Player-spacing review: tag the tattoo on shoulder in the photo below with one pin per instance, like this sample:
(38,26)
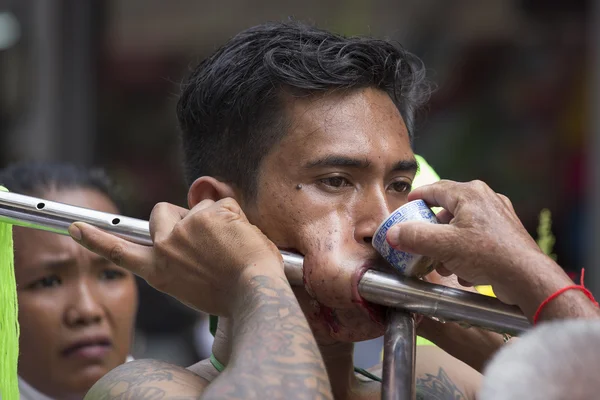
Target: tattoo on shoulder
(438,387)
(146,380)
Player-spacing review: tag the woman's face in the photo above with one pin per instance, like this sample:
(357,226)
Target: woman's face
(76,310)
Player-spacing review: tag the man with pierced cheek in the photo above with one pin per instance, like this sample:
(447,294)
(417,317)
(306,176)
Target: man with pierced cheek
(310,133)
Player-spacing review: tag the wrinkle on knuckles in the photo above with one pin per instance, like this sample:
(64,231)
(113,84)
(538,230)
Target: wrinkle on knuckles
(117,254)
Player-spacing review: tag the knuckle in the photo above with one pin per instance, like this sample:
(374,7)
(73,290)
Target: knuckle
(412,238)
(479,185)
(159,207)
(230,204)
(160,245)
(117,254)
(506,200)
(180,231)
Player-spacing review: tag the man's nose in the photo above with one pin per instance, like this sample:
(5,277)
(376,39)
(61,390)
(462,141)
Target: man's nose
(85,307)
(370,213)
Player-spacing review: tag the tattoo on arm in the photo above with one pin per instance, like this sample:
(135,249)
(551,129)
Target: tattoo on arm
(438,387)
(274,353)
(274,356)
(147,380)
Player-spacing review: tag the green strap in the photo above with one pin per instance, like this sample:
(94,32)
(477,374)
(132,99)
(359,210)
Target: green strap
(216,363)
(367,374)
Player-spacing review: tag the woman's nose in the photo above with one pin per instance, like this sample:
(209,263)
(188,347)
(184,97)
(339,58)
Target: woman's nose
(85,307)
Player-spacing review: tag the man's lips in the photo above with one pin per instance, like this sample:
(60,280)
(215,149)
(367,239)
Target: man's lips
(376,312)
(89,347)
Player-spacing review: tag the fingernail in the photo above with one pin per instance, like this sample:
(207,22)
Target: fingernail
(75,232)
(392,236)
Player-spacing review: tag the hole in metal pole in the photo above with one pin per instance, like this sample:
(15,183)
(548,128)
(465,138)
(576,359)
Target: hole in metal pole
(116,221)
(39,206)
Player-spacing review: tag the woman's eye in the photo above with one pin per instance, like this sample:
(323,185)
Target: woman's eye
(336,181)
(401,187)
(46,282)
(112,274)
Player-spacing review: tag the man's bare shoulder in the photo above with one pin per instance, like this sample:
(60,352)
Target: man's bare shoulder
(148,379)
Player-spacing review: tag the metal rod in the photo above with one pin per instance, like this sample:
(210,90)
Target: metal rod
(441,302)
(399,357)
(33,212)
(410,294)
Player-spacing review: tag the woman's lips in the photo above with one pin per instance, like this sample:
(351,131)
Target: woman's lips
(92,348)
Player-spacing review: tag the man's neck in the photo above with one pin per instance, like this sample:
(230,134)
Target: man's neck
(338,358)
(339,361)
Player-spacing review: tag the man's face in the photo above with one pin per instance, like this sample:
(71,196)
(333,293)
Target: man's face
(344,165)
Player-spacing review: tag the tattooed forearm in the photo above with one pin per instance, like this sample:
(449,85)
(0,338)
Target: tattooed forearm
(274,353)
(148,380)
(438,387)
(274,356)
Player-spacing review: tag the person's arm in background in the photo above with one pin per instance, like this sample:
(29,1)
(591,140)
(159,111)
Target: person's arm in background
(482,241)
(471,345)
(212,259)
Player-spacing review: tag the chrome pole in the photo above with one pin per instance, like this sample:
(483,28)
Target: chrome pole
(399,357)
(441,302)
(409,294)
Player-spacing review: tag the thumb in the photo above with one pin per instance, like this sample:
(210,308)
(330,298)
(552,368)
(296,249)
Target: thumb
(416,237)
(131,256)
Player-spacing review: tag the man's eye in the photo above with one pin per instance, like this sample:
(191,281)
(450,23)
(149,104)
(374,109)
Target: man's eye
(336,181)
(46,282)
(401,187)
(111,274)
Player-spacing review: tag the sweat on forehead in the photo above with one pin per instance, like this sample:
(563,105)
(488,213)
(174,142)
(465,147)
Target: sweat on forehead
(230,110)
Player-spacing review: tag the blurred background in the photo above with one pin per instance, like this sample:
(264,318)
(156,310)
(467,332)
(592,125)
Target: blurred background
(96,82)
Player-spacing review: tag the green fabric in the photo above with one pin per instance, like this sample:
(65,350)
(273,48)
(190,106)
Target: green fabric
(213,321)
(9,324)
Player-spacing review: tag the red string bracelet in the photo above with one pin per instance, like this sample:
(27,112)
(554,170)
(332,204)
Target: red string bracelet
(554,295)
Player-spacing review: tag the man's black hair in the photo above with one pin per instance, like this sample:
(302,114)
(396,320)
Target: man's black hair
(38,178)
(231,107)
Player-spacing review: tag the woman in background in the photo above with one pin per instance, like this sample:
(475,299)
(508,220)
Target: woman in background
(76,309)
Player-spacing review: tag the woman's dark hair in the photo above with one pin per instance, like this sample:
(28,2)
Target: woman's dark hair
(37,178)
(231,107)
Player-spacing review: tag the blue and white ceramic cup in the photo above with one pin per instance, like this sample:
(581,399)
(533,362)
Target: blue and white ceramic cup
(405,263)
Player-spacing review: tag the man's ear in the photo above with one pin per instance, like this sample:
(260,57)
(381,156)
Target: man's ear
(207,187)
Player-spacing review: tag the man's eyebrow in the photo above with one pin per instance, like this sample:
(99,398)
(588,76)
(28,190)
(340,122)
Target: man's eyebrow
(409,165)
(338,161)
(406,166)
